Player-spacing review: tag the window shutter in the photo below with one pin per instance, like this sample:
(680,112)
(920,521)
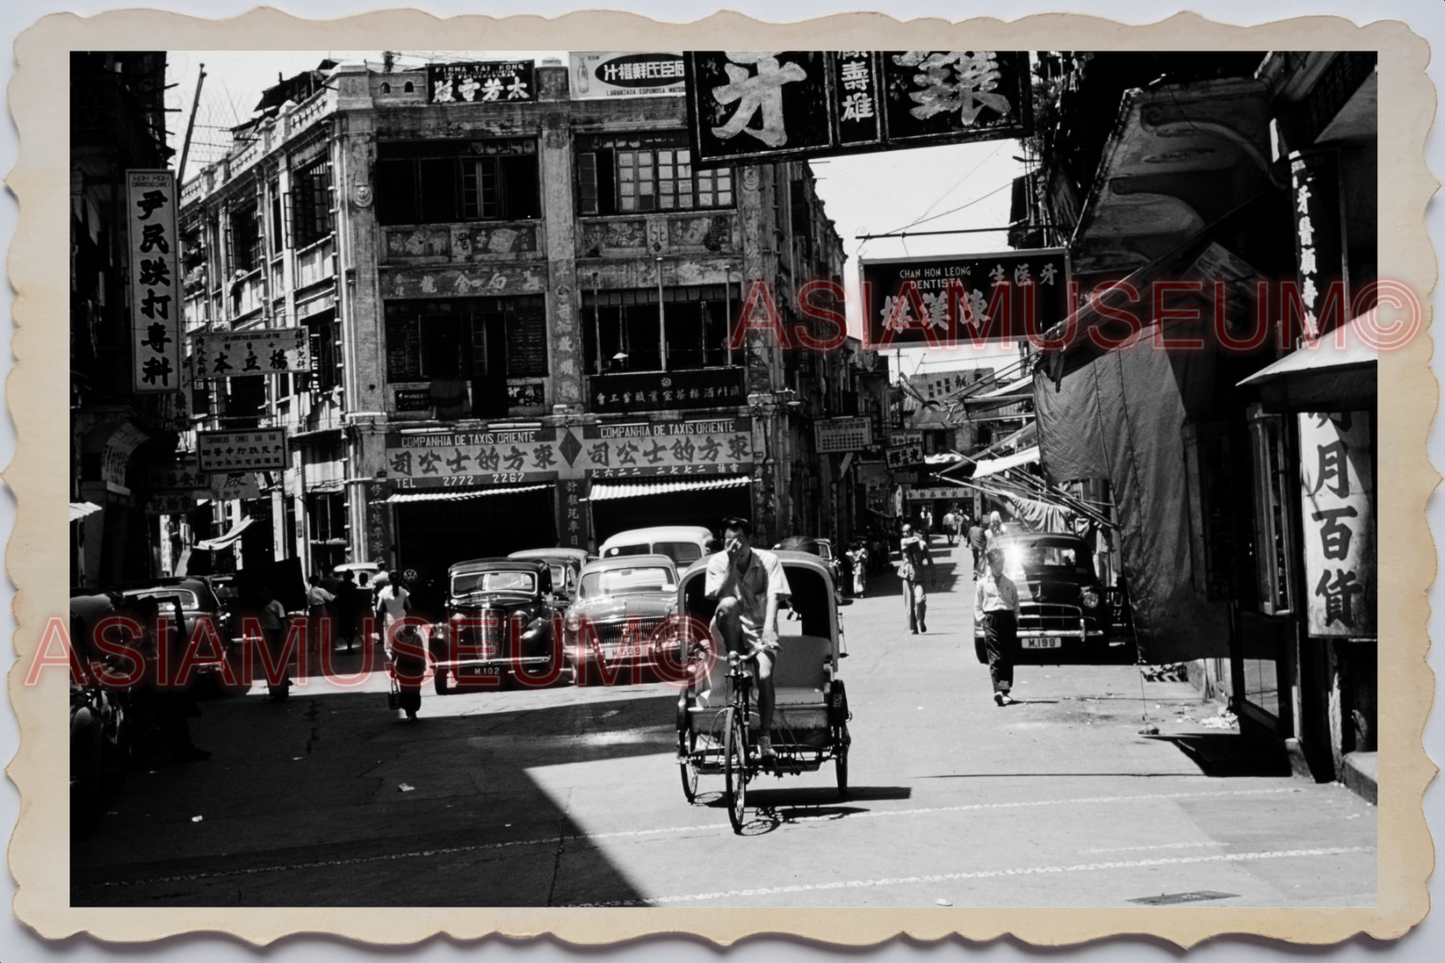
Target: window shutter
(396,191)
(606,182)
(518,192)
(587,183)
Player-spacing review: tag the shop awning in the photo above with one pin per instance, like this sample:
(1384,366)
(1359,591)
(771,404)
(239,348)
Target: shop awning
(606,491)
(445,495)
(226,540)
(1338,370)
(995,465)
(1019,390)
(79,510)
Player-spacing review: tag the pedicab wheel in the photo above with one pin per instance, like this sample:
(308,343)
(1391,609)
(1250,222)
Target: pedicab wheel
(840,761)
(735,765)
(686,746)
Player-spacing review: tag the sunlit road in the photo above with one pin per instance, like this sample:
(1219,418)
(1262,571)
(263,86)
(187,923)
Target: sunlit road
(571,796)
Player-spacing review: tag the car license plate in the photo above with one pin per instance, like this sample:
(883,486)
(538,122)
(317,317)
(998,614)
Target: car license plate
(1042,643)
(475,671)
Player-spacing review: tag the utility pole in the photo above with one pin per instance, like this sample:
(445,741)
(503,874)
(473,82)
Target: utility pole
(190,127)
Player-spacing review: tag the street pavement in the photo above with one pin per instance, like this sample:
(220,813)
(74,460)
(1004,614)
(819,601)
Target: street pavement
(571,796)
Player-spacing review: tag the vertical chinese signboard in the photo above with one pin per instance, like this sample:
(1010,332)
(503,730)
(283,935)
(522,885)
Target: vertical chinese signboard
(155,311)
(978,298)
(1337,495)
(1319,239)
(572,527)
(753,105)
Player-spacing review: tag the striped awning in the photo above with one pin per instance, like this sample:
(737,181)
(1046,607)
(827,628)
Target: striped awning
(606,491)
(445,495)
(79,510)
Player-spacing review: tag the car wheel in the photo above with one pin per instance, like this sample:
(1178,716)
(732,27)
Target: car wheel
(439,682)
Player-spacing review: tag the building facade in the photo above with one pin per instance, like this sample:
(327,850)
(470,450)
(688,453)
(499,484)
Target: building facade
(520,316)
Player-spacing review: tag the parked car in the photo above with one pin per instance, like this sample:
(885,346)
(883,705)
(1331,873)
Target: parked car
(101,722)
(1064,612)
(684,544)
(566,565)
(620,603)
(497,624)
(198,604)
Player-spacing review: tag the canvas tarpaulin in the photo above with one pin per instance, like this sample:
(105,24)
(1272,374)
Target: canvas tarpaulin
(1120,416)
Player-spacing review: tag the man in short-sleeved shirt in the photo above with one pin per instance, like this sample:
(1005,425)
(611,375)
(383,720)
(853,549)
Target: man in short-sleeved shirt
(749,583)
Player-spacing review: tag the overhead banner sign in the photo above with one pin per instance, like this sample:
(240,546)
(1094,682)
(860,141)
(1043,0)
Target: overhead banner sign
(478,83)
(905,455)
(259,351)
(236,451)
(604,74)
(1337,504)
(975,298)
(1319,236)
(155,310)
(842,434)
(762,104)
(935,494)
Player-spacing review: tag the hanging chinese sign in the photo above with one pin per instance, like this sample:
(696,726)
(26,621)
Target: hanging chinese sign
(842,434)
(649,391)
(1319,240)
(721,446)
(755,105)
(904,455)
(935,96)
(259,351)
(1337,505)
(236,451)
(605,74)
(949,301)
(155,311)
(477,83)
(572,527)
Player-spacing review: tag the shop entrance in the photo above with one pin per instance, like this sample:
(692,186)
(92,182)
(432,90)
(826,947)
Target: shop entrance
(704,508)
(433,535)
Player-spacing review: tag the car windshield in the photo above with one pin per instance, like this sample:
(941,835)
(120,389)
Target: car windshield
(1032,559)
(825,550)
(625,581)
(187,597)
(524,583)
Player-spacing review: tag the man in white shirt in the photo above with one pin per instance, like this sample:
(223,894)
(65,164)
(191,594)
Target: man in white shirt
(750,583)
(995,607)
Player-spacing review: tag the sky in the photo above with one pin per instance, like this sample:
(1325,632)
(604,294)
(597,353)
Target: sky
(927,189)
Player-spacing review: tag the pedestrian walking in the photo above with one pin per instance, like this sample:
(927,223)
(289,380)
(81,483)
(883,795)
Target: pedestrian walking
(913,554)
(348,610)
(859,557)
(273,630)
(977,546)
(393,601)
(950,521)
(995,607)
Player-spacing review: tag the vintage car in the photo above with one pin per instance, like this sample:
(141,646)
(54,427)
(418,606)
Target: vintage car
(566,566)
(198,603)
(101,719)
(684,544)
(497,626)
(1064,613)
(610,628)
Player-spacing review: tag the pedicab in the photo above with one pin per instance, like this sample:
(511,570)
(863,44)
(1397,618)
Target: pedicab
(717,716)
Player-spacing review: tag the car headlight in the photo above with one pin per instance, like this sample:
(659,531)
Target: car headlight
(1090,598)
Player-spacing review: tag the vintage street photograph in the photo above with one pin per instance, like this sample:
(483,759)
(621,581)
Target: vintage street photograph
(726,479)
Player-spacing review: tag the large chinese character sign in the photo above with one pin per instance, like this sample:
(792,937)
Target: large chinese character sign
(746,104)
(261,449)
(257,351)
(952,301)
(1337,505)
(757,104)
(955,95)
(155,311)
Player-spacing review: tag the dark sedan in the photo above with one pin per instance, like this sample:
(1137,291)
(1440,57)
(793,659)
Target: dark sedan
(1064,612)
(498,625)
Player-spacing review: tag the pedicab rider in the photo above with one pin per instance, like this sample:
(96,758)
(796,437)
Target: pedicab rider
(996,607)
(749,583)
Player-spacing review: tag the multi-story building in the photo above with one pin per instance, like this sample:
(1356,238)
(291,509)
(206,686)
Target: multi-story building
(519,312)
